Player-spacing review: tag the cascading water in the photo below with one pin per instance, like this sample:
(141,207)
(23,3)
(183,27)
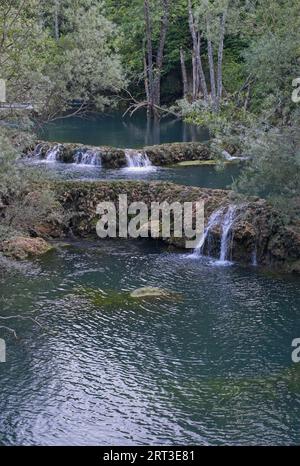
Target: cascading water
(254,262)
(37,151)
(230,157)
(215,219)
(88,157)
(227,233)
(138,160)
(224,217)
(52,154)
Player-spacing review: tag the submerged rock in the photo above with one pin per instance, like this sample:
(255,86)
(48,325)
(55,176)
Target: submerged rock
(22,247)
(151,292)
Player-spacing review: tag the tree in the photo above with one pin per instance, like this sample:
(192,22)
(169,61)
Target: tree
(153,70)
(273,168)
(199,80)
(211,19)
(273,57)
(52,70)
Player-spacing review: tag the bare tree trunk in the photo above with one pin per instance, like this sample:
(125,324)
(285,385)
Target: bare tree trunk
(146,80)
(160,51)
(149,59)
(184,74)
(211,66)
(202,78)
(198,73)
(56,19)
(220,59)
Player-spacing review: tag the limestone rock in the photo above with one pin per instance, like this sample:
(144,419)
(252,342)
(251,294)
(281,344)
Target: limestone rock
(22,247)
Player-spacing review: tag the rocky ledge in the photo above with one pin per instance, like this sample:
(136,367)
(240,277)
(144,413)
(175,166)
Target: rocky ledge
(256,232)
(109,157)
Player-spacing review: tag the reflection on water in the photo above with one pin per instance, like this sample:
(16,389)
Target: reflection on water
(213,367)
(114,130)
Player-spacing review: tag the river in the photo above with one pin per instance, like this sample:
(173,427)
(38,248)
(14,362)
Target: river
(211,366)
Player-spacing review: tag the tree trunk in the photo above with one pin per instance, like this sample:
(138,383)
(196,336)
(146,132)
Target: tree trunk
(149,52)
(56,19)
(198,73)
(146,80)
(160,51)
(184,74)
(202,79)
(220,59)
(211,66)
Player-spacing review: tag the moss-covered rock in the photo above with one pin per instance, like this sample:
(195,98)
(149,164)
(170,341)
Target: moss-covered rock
(160,155)
(258,230)
(22,247)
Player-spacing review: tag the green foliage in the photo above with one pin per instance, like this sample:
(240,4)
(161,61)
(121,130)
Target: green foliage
(22,205)
(273,55)
(230,120)
(83,64)
(273,169)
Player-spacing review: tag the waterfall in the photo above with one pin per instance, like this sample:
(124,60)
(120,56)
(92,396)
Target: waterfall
(227,233)
(225,217)
(52,154)
(137,160)
(254,262)
(37,151)
(88,157)
(215,219)
(230,157)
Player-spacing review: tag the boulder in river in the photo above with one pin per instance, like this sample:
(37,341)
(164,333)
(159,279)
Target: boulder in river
(151,292)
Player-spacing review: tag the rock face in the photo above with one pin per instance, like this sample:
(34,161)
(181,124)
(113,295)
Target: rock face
(22,247)
(257,232)
(250,232)
(109,157)
(168,154)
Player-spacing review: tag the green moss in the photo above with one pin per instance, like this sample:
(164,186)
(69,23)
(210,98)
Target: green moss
(110,299)
(191,163)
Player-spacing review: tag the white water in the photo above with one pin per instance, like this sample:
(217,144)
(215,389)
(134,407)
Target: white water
(52,154)
(38,151)
(254,262)
(88,158)
(137,160)
(215,219)
(227,233)
(224,217)
(230,157)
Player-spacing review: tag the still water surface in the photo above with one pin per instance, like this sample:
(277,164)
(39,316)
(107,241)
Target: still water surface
(113,130)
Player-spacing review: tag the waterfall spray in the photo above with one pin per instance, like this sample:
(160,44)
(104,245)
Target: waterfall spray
(225,217)
(88,157)
(52,154)
(137,160)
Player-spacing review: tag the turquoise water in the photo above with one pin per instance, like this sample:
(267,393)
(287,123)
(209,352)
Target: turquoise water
(210,366)
(206,176)
(113,130)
